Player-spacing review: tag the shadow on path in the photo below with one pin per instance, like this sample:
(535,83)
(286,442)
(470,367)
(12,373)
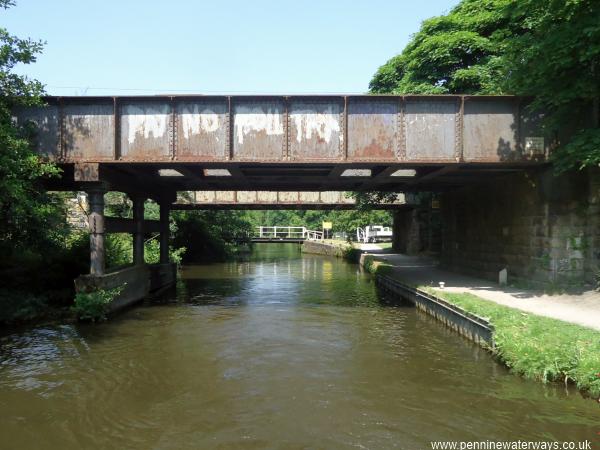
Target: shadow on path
(582,308)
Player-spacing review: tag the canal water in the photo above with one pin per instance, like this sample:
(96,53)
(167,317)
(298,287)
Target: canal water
(281,350)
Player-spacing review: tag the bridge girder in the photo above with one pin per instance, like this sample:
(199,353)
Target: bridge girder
(266,200)
(160,144)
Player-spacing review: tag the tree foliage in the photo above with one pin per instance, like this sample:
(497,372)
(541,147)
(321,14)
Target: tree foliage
(557,61)
(456,53)
(548,49)
(209,235)
(29,217)
(215,235)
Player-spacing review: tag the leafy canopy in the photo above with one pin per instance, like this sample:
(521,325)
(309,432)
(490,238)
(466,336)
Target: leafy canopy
(557,62)
(548,49)
(29,218)
(455,53)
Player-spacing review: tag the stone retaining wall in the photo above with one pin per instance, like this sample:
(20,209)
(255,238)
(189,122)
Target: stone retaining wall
(322,248)
(544,229)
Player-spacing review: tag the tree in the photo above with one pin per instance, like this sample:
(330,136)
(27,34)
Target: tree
(557,61)
(28,216)
(548,49)
(209,235)
(456,53)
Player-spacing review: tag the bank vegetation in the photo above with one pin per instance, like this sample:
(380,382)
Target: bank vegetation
(536,347)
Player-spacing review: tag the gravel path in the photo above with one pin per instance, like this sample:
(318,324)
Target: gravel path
(582,309)
(368,247)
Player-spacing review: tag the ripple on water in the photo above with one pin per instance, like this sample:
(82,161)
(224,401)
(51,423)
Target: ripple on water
(288,352)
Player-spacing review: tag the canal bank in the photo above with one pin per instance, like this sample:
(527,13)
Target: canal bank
(543,337)
(469,325)
(339,249)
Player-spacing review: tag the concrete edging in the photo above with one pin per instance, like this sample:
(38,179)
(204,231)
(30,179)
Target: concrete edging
(323,248)
(471,326)
(137,283)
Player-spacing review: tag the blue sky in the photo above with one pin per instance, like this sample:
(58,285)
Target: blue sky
(257,46)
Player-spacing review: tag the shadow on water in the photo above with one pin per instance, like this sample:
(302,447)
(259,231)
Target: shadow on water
(279,350)
(279,274)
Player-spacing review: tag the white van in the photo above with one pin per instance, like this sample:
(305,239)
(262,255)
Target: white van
(374,233)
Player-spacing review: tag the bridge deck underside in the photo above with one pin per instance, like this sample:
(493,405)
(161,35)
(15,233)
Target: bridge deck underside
(151,177)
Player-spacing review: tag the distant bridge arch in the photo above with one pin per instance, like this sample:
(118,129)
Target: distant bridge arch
(256,200)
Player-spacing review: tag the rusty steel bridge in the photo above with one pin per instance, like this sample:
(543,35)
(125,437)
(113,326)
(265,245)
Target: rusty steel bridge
(266,152)
(158,145)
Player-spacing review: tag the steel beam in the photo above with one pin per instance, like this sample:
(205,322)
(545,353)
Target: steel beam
(290,129)
(293,143)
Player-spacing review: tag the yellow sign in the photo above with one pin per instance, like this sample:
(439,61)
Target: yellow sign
(327,225)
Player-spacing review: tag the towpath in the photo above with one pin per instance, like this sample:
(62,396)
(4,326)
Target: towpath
(582,309)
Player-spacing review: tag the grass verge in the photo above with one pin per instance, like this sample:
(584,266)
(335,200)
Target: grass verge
(537,347)
(376,266)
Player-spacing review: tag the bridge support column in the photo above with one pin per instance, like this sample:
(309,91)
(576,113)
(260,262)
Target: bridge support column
(405,236)
(138,235)
(96,225)
(165,209)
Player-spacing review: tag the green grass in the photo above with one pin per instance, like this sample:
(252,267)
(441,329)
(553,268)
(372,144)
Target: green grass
(376,266)
(384,245)
(538,347)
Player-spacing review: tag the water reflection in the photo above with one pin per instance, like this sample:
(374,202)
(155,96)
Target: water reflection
(276,351)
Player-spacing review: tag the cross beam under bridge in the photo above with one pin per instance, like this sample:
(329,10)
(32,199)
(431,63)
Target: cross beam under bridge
(257,200)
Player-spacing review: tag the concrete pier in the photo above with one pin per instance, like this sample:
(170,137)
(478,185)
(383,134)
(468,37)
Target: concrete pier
(140,279)
(138,235)
(137,282)
(96,224)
